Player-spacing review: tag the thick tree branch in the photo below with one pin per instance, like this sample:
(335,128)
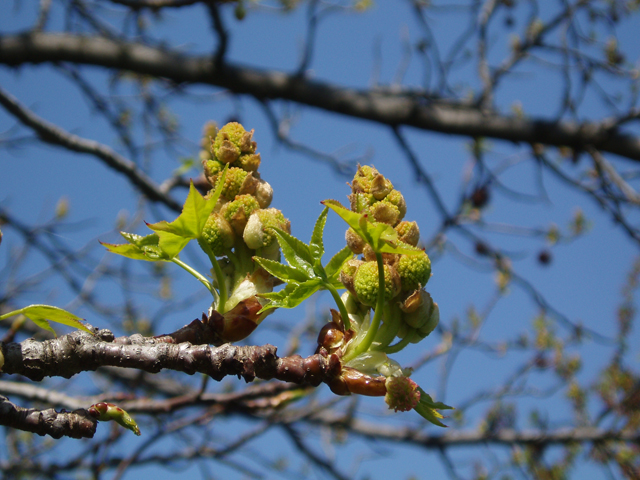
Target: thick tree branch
(78,352)
(412,109)
(76,424)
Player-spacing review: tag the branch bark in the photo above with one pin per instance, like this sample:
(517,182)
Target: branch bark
(415,109)
(76,424)
(79,351)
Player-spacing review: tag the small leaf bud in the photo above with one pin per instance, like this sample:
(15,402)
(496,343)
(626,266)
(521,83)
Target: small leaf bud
(408,232)
(420,311)
(366,283)
(263,193)
(231,141)
(234,181)
(434,319)
(218,234)
(258,233)
(354,241)
(385,212)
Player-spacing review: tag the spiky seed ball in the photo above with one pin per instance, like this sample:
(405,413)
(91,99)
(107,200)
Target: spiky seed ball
(365,283)
(414,271)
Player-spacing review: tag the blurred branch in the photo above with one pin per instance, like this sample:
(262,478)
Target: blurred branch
(55,135)
(415,109)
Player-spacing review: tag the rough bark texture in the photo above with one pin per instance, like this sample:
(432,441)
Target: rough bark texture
(79,352)
(76,424)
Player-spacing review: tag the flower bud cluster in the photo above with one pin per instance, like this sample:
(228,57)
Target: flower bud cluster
(241,224)
(410,308)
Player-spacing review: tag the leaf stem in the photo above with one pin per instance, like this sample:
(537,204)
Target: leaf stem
(198,275)
(222,284)
(396,347)
(375,322)
(343,309)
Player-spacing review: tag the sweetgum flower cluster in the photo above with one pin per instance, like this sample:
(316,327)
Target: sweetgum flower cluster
(241,224)
(410,313)
(385,298)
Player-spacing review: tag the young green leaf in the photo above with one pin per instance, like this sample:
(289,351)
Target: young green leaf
(283,272)
(292,295)
(174,236)
(42,314)
(337,261)
(296,252)
(382,238)
(316,245)
(428,409)
(139,247)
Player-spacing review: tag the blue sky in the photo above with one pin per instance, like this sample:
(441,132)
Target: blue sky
(583,281)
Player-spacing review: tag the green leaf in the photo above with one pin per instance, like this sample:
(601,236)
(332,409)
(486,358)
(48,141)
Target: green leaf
(382,238)
(108,411)
(337,261)
(174,236)
(296,252)
(294,294)
(283,272)
(139,248)
(316,245)
(428,409)
(42,314)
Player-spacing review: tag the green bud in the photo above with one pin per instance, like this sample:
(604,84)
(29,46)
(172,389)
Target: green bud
(249,162)
(212,169)
(237,212)
(234,181)
(402,393)
(218,234)
(366,283)
(258,233)
(263,193)
(408,232)
(108,411)
(354,241)
(385,212)
(231,141)
(348,272)
(414,271)
(396,199)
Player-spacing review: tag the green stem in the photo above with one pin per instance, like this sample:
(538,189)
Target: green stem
(343,310)
(398,346)
(220,277)
(375,322)
(390,326)
(198,275)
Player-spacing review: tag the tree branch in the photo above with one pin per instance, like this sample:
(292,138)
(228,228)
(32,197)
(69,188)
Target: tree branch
(76,424)
(414,109)
(79,351)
